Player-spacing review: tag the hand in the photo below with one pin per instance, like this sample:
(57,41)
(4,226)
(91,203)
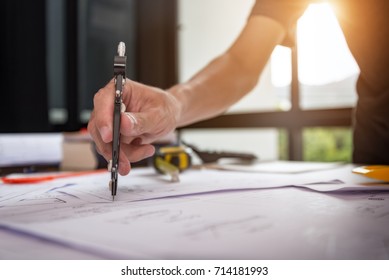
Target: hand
(150,114)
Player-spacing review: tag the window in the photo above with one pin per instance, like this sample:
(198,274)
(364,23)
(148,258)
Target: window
(304,92)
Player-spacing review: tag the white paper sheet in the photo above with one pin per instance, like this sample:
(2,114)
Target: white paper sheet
(77,196)
(30,148)
(274,167)
(269,224)
(209,214)
(80,196)
(339,186)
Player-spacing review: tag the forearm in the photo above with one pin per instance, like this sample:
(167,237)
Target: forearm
(213,90)
(230,76)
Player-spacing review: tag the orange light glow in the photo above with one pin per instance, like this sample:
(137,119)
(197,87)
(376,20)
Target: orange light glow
(323,55)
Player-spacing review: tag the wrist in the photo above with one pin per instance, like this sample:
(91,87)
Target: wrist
(180,93)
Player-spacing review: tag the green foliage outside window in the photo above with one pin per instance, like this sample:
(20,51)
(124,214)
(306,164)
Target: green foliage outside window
(327,144)
(282,144)
(321,144)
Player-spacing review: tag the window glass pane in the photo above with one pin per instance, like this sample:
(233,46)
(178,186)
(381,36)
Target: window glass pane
(327,144)
(55,28)
(327,70)
(283,149)
(281,76)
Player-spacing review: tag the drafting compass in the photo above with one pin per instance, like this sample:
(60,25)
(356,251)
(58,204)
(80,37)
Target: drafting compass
(119,71)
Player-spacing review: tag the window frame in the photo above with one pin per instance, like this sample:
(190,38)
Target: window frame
(293,121)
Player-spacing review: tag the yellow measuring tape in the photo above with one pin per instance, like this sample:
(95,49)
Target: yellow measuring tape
(172,160)
(379,172)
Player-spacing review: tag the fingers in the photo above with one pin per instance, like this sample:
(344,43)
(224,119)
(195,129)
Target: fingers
(150,112)
(103,104)
(103,148)
(133,153)
(100,122)
(124,164)
(137,126)
(149,115)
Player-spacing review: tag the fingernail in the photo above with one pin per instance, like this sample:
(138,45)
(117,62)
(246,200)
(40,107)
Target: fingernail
(150,152)
(105,134)
(132,118)
(124,169)
(122,107)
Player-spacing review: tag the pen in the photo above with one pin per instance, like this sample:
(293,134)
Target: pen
(119,70)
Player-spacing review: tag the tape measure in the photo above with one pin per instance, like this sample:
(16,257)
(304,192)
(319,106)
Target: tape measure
(378,172)
(172,158)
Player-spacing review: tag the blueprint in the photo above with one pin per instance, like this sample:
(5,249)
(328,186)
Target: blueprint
(209,214)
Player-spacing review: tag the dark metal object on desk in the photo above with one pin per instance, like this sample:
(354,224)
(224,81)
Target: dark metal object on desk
(213,156)
(119,69)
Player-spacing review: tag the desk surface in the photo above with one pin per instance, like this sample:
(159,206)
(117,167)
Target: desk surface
(275,222)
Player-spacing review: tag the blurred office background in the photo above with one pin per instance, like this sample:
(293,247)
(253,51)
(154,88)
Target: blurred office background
(58,53)
(301,108)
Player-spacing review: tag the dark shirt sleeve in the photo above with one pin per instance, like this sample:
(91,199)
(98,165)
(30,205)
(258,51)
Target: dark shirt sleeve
(286,12)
